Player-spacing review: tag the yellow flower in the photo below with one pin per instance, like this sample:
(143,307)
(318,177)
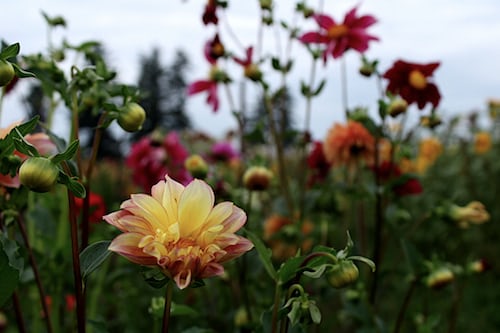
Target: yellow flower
(482,142)
(179,230)
(473,213)
(428,151)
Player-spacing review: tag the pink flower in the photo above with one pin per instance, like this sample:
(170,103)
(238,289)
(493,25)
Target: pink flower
(223,152)
(150,160)
(42,143)
(338,38)
(179,230)
(209,86)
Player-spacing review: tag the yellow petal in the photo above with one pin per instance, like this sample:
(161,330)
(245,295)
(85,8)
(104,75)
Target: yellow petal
(168,193)
(195,204)
(151,210)
(127,245)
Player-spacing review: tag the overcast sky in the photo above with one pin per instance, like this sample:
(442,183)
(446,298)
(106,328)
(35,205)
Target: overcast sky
(464,35)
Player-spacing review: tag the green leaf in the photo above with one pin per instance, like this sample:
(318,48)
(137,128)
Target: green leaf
(289,269)
(22,145)
(10,51)
(154,277)
(11,266)
(315,313)
(319,88)
(21,73)
(68,153)
(93,256)
(275,63)
(264,252)
(182,310)
(73,184)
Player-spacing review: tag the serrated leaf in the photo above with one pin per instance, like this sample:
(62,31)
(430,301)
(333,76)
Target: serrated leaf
(11,266)
(10,51)
(93,256)
(264,252)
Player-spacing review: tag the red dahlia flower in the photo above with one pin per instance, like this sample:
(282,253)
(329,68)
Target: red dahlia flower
(411,82)
(97,207)
(338,38)
(402,184)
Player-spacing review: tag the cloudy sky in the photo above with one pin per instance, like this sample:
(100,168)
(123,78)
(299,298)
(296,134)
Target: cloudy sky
(464,35)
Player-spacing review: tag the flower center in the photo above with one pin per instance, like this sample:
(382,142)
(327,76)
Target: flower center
(337,31)
(417,80)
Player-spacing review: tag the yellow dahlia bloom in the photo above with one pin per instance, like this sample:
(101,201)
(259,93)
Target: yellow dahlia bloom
(180,230)
(482,142)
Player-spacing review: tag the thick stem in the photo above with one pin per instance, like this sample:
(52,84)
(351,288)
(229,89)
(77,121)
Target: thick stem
(34,266)
(168,304)
(277,298)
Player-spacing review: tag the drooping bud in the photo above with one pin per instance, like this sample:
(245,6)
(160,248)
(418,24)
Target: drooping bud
(397,106)
(6,72)
(253,72)
(474,213)
(439,278)
(196,166)
(257,178)
(478,266)
(343,274)
(131,117)
(38,174)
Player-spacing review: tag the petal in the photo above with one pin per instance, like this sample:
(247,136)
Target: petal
(151,210)
(127,245)
(324,21)
(168,193)
(219,213)
(235,221)
(115,219)
(313,37)
(195,204)
(364,21)
(198,86)
(183,279)
(234,251)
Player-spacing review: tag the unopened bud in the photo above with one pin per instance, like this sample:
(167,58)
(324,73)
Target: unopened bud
(131,117)
(38,174)
(397,106)
(439,278)
(343,274)
(253,72)
(196,166)
(6,72)
(257,178)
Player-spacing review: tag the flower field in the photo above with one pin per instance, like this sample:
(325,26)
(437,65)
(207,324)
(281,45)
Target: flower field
(388,223)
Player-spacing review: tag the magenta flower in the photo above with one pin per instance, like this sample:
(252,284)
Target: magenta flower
(223,152)
(208,86)
(338,38)
(150,160)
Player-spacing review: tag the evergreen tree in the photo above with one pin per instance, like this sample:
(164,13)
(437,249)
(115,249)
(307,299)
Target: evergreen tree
(258,126)
(163,91)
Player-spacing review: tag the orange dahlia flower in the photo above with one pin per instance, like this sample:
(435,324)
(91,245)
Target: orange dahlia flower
(348,144)
(179,230)
(482,142)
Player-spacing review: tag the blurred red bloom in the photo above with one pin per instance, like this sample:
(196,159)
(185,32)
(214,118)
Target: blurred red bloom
(70,302)
(318,164)
(151,160)
(96,204)
(223,152)
(411,82)
(401,184)
(214,49)
(350,34)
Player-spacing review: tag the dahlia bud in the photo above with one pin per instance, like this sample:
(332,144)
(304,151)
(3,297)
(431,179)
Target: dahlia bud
(478,266)
(343,274)
(131,117)
(257,178)
(253,72)
(241,318)
(440,278)
(38,174)
(397,106)
(6,72)
(196,166)
(266,4)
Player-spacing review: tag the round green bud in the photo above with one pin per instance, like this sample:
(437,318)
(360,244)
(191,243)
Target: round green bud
(343,274)
(132,117)
(6,72)
(38,174)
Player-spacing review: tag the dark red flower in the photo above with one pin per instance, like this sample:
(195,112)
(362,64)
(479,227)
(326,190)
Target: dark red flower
(96,205)
(412,82)
(338,38)
(318,164)
(214,49)
(401,184)
(223,152)
(210,13)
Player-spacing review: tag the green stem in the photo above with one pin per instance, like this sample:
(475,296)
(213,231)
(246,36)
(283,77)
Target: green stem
(277,298)
(36,272)
(19,313)
(404,306)
(77,275)
(168,304)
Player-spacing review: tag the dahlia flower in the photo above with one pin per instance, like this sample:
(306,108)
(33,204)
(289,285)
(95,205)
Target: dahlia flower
(179,230)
